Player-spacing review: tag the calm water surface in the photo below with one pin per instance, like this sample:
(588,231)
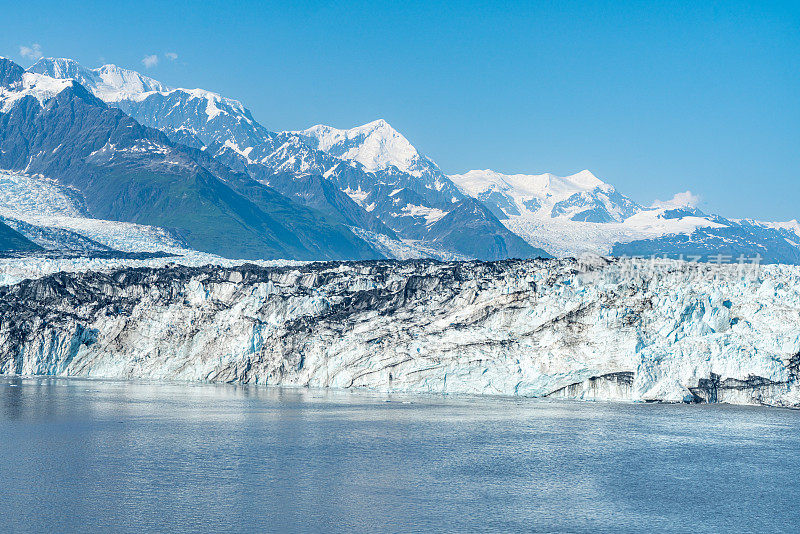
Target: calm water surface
(94,456)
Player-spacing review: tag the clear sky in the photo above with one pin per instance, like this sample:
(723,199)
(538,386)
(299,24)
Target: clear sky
(653,97)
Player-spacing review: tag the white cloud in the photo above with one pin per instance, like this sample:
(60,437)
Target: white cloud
(172,56)
(680,200)
(33,52)
(150,61)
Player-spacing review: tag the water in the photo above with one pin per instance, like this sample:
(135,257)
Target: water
(82,455)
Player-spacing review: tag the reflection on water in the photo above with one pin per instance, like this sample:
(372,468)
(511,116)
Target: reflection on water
(89,455)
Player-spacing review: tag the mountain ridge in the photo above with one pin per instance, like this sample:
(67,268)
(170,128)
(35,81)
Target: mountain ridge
(372,178)
(132,173)
(580,213)
(287,162)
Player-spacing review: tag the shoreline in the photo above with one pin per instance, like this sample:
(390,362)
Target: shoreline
(404,397)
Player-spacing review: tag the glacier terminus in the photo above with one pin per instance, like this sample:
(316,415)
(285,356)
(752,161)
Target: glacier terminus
(615,329)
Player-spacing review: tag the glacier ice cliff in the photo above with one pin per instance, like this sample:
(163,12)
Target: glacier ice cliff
(603,329)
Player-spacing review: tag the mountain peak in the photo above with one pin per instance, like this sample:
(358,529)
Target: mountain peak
(117,83)
(56,67)
(376,145)
(581,196)
(114,84)
(586,178)
(481,180)
(109,82)
(378,124)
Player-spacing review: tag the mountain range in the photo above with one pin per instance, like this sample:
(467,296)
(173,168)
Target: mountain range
(124,171)
(198,169)
(580,213)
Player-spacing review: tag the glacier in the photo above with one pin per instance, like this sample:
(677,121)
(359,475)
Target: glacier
(589,328)
(369,177)
(577,214)
(49,207)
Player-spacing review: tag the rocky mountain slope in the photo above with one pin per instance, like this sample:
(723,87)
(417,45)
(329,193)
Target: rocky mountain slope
(625,329)
(127,172)
(370,177)
(581,197)
(581,213)
(56,218)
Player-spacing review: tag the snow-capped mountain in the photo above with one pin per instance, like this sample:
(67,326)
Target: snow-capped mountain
(378,147)
(41,88)
(109,82)
(130,173)
(375,145)
(191,116)
(579,197)
(385,174)
(369,177)
(717,239)
(581,213)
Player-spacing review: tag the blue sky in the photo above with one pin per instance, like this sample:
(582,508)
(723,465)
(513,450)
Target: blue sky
(653,97)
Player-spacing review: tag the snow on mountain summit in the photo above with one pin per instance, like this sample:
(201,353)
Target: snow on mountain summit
(566,214)
(376,145)
(122,82)
(41,87)
(580,197)
(141,97)
(580,213)
(109,82)
(113,84)
(479,182)
(383,152)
